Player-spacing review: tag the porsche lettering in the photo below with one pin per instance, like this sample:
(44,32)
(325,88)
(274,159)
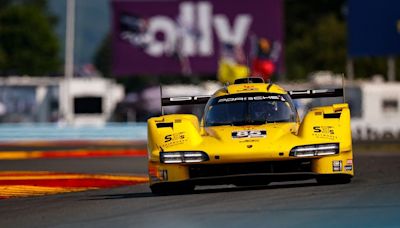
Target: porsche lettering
(255,98)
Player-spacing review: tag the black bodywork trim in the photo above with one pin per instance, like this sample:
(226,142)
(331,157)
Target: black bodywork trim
(332,115)
(167,124)
(250,168)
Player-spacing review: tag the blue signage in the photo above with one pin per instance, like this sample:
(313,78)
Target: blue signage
(373,28)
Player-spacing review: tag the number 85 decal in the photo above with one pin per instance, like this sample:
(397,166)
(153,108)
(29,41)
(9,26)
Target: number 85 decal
(249,134)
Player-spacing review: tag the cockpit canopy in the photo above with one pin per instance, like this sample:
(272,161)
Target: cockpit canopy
(249,109)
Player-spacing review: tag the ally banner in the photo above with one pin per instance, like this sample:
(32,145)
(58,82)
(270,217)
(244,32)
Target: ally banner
(164,37)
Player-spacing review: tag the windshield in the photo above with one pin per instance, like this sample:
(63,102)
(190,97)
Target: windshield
(249,109)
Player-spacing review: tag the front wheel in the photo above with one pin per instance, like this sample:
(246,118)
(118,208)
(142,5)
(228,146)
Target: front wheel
(333,179)
(171,188)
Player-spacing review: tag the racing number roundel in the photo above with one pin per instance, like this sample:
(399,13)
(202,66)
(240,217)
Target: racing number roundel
(249,134)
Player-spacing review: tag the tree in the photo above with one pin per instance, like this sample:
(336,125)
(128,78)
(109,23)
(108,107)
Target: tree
(28,44)
(102,58)
(315,37)
(2,58)
(318,49)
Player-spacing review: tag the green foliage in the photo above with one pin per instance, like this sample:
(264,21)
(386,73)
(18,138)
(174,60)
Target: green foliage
(2,58)
(102,58)
(27,40)
(367,66)
(322,47)
(41,4)
(315,37)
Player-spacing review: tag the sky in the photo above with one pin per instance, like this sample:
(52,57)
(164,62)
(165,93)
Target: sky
(93,20)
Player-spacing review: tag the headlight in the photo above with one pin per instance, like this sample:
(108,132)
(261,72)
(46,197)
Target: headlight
(183,157)
(315,150)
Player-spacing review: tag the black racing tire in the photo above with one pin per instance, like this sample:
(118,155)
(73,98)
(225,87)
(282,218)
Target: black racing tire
(333,179)
(171,188)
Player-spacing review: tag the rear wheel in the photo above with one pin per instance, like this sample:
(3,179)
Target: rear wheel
(333,179)
(171,188)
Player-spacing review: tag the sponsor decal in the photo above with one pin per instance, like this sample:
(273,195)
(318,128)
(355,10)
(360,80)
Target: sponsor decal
(348,167)
(325,132)
(337,166)
(249,134)
(252,98)
(157,175)
(163,174)
(249,141)
(154,174)
(193,98)
(324,129)
(248,88)
(300,92)
(349,162)
(168,138)
(152,171)
(175,139)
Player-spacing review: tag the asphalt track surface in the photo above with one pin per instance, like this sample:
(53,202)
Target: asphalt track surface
(371,200)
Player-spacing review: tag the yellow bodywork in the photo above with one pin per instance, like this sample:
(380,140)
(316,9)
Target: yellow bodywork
(184,132)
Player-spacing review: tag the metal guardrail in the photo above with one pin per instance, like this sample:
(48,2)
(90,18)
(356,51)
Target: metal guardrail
(48,131)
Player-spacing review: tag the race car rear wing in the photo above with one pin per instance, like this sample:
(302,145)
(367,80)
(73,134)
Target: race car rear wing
(294,94)
(185,100)
(316,93)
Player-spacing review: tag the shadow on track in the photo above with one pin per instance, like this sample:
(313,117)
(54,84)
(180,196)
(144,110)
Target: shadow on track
(203,191)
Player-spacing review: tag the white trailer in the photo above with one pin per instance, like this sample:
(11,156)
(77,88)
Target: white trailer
(379,116)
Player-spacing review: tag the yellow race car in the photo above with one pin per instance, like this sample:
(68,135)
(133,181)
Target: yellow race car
(250,134)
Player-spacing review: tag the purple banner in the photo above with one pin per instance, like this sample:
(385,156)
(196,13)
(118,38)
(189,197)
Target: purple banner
(176,36)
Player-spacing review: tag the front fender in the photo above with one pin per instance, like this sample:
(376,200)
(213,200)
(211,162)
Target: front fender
(171,131)
(328,124)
